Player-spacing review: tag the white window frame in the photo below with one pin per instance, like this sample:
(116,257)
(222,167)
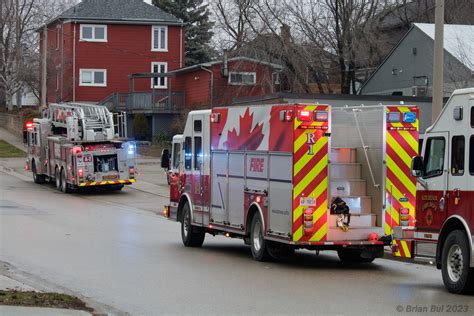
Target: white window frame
(242,83)
(153,49)
(92,77)
(158,86)
(93,39)
(58,40)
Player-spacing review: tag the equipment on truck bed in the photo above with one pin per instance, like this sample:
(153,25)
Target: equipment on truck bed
(80,145)
(268,174)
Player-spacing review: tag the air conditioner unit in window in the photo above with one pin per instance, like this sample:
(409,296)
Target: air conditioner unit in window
(419,91)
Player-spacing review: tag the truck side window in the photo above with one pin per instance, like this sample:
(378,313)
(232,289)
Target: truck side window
(434,157)
(457,155)
(471,155)
(198,125)
(188,153)
(197,153)
(176,155)
(472,116)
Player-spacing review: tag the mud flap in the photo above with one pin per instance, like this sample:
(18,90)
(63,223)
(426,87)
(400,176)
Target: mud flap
(403,248)
(372,252)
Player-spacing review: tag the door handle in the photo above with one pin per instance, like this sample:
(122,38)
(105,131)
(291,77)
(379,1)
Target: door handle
(442,204)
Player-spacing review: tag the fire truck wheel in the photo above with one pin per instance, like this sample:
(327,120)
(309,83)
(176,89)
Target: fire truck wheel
(57,176)
(458,277)
(353,255)
(258,244)
(191,236)
(37,178)
(64,186)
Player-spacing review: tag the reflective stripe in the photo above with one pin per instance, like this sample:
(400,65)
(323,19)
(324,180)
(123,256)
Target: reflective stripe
(88,184)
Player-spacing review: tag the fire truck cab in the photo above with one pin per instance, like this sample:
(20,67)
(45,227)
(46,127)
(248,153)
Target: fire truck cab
(444,226)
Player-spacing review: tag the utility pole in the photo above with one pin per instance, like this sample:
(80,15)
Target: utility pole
(44,69)
(438,61)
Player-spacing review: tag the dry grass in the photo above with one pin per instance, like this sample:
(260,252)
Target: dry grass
(9,151)
(52,300)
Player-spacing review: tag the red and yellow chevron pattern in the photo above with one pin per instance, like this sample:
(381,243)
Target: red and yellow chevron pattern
(310,176)
(402,248)
(88,184)
(401,147)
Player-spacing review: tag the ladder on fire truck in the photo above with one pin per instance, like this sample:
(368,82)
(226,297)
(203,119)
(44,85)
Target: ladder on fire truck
(83,122)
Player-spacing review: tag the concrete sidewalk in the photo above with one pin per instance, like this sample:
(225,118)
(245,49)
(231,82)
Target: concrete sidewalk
(11,138)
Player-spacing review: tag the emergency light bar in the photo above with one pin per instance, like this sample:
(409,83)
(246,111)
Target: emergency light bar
(215,117)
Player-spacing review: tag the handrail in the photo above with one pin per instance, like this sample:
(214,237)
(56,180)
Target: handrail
(365,147)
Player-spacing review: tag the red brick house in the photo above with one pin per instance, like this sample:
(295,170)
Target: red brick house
(219,82)
(94,46)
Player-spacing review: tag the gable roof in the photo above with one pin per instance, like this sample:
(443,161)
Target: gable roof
(129,11)
(457,37)
(458,41)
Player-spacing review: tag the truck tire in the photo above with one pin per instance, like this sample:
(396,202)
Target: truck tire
(57,178)
(37,178)
(64,185)
(353,255)
(458,277)
(258,244)
(192,236)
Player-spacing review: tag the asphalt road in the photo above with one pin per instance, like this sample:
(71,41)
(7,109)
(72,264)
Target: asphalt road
(113,249)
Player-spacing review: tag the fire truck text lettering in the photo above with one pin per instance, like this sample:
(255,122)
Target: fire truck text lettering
(310,141)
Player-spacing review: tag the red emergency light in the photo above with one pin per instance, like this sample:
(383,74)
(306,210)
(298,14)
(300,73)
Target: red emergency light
(215,117)
(304,116)
(80,173)
(29,125)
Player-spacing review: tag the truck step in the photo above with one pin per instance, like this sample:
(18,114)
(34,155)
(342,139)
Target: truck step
(345,170)
(348,187)
(343,155)
(357,220)
(358,204)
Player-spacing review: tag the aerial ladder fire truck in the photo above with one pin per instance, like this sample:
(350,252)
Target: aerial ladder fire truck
(79,145)
(292,176)
(443,227)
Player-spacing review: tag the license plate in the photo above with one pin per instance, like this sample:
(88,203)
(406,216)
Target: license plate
(111,177)
(306,201)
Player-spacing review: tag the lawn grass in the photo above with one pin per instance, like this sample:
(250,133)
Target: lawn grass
(9,151)
(51,300)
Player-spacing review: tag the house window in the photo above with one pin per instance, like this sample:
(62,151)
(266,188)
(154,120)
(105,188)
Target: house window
(93,33)
(242,78)
(276,77)
(159,38)
(93,77)
(159,82)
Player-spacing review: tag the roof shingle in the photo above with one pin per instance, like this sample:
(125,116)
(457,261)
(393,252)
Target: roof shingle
(117,10)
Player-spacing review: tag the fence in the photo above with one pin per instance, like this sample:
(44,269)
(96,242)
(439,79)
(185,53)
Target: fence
(148,102)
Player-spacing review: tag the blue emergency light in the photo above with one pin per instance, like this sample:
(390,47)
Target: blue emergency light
(409,117)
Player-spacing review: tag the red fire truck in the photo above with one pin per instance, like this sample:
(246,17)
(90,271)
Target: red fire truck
(444,225)
(79,145)
(269,174)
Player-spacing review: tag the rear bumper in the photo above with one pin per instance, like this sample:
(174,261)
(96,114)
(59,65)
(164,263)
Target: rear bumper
(114,182)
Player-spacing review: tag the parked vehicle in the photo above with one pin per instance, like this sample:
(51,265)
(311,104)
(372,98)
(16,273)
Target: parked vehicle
(75,145)
(443,227)
(283,177)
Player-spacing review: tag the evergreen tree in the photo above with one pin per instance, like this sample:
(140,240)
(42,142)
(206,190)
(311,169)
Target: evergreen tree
(195,16)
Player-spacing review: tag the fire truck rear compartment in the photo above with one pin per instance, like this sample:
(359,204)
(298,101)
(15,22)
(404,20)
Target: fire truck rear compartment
(356,170)
(105,163)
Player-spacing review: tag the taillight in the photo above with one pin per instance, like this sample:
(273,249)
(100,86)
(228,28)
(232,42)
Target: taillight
(80,173)
(308,220)
(304,116)
(321,116)
(404,216)
(132,172)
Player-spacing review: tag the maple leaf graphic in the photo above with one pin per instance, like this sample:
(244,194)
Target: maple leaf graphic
(247,139)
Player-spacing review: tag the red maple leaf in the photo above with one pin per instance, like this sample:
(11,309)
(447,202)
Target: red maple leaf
(247,139)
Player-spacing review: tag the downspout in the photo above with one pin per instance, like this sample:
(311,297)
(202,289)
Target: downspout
(74,63)
(62,60)
(211,83)
(181,46)
(44,87)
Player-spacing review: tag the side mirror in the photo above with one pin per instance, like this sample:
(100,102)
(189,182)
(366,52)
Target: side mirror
(165,159)
(417,166)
